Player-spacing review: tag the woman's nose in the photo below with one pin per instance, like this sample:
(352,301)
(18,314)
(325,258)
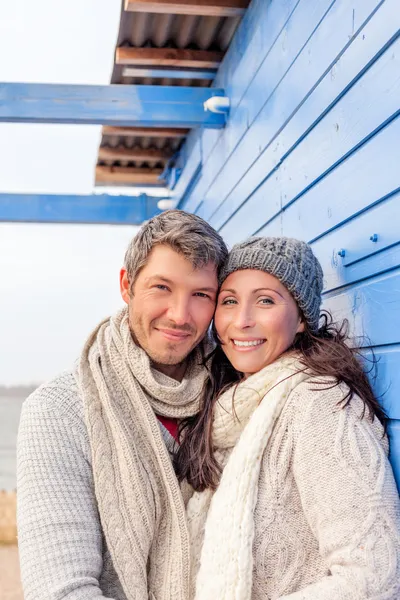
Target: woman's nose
(244,318)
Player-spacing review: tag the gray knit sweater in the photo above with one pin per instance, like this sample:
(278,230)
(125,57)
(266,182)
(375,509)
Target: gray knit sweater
(62,550)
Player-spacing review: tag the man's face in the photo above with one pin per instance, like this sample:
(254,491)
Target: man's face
(171,306)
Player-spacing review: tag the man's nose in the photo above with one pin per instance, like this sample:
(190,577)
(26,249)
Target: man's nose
(179,311)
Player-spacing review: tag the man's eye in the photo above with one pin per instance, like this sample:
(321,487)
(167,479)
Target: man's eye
(202,295)
(160,286)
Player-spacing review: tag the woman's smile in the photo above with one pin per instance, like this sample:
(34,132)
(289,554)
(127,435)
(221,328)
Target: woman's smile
(247,344)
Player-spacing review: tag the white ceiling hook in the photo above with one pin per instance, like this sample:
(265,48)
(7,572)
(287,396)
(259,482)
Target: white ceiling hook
(217,104)
(166,203)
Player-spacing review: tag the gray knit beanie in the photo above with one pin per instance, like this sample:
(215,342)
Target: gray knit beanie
(289,260)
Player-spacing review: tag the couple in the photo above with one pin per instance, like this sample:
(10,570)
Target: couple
(247,463)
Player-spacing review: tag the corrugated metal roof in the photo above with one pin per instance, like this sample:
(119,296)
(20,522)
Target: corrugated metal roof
(176,31)
(153,30)
(168,146)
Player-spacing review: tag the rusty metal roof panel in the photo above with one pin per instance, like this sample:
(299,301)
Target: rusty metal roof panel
(177,31)
(157,30)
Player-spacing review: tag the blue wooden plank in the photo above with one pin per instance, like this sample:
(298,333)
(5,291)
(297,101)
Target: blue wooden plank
(366,177)
(379,263)
(192,162)
(282,58)
(257,33)
(277,135)
(394,436)
(387,385)
(341,132)
(39,208)
(372,307)
(384,219)
(124,105)
(290,90)
(302,25)
(363,257)
(344,209)
(302,99)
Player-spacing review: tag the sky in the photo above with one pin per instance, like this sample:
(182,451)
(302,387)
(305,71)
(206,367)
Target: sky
(56,281)
(54,42)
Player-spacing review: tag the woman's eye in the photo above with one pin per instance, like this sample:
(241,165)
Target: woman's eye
(228,301)
(266,301)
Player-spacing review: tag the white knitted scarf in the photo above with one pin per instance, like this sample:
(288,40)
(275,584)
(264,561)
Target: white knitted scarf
(139,500)
(244,419)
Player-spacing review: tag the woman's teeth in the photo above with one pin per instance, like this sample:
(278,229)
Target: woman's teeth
(252,343)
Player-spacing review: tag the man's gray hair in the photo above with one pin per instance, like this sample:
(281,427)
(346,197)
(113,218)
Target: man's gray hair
(187,234)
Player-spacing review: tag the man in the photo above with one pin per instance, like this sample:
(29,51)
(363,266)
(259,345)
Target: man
(100,512)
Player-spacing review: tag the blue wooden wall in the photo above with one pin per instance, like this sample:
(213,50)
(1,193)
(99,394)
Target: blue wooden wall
(312,150)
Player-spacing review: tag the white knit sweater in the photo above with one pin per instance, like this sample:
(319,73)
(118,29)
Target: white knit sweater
(62,551)
(327,513)
(327,516)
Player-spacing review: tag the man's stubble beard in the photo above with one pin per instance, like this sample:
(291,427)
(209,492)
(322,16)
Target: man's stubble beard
(136,328)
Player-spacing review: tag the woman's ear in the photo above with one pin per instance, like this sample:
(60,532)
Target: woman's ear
(300,326)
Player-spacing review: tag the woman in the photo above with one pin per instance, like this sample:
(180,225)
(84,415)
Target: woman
(294,495)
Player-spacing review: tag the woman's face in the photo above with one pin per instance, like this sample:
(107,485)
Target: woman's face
(256,319)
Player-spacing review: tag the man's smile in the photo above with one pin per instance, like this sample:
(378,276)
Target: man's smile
(174,335)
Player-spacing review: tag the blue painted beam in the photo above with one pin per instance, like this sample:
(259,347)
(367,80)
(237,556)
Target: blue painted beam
(119,105)
(208,74)
(96,208)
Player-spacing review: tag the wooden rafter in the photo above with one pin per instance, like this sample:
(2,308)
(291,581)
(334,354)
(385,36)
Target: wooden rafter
(144,154)
(167,132)
(207,8)
(168,73)
(168,57)
(128,176)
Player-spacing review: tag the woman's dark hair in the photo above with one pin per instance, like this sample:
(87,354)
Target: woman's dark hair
(325,353)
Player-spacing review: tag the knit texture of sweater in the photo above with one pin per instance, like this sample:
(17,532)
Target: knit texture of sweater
(326,513)
(62,549)
(138,496)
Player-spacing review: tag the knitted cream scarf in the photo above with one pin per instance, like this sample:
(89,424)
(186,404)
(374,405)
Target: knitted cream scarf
(226,518)
(139,499)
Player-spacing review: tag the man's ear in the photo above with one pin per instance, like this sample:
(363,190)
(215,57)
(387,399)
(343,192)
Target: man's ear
(124,285)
